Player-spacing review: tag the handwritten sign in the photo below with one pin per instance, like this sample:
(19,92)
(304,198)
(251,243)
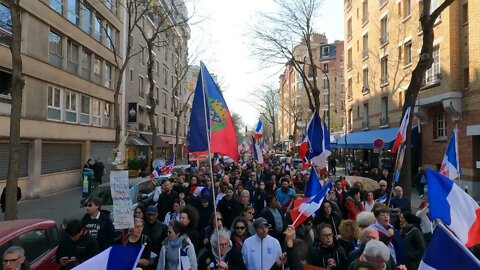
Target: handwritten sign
(122,203)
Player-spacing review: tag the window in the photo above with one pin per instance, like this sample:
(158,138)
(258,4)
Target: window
(55,54)
(384,30)
(466,77)
(96,112)
(349,89)
(164,121)
(407,8)
(441,125)
(72,57)
(107,114)
(172,127)
(365,11)
(86,64)
(408,53)
(86,19)
(384,116)
(98,29)
(157,67)
(365,116)
(365,87)
(384,71)
(107,75)
(325,52)
(433,74)
(97,70)
(349,59)
(36,242)
(157,95)
(131,75)
(165,101)
(57,5)
(110,37)
(85,110)
(465,13)
(165,76)
(350,119)
(70,107)
(365,45)
(73,12)
(141,92)
(109,4)
(5,19)
(349,28)
(142,55)
(325,67)
(54,105)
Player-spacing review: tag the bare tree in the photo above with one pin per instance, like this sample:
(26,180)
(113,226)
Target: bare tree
(266,102)
(286,38)
(238,125)
(16,92)
(165,17)
(425,61)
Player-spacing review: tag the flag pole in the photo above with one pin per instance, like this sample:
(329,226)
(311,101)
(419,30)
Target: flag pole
(209,133)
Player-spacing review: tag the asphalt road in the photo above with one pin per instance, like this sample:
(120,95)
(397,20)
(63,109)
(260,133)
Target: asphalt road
(57,206)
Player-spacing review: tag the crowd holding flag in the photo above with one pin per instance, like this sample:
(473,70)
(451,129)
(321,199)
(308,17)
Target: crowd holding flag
(258,130)
(313,185)
(306,207)
(165,168)
(257,151)
(450,166)
(211,127)
(315,147)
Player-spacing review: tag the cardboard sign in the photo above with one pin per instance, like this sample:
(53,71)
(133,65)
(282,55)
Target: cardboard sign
(122,202)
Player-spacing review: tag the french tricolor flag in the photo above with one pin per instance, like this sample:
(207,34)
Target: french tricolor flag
(450,167)
(445,253)
(114,258)
(306,207)
(449,203)
(318,139)
(402,130)
(258,130)
(257,151)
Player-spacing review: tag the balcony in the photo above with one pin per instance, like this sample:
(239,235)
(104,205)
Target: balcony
(365,125)
(365,19)
(384,80)
(384,121)
(365,89)
(5,37)
(382,2)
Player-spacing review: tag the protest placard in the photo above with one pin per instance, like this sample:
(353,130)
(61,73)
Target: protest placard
(122,202)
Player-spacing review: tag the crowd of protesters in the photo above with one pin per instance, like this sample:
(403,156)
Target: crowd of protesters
(252,228)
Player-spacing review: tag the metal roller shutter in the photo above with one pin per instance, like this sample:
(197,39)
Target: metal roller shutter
(104,151)
(59,157)
(4,160)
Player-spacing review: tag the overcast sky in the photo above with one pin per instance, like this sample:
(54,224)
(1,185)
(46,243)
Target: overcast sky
(222,37)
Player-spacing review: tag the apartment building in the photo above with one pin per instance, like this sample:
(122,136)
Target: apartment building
(293,101)
(70,72)
(383,39)
(170,89)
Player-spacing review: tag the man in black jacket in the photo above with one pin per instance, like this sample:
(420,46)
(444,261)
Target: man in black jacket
(165,200)
(98,224)
(154,229)
(229,207)
(76,246)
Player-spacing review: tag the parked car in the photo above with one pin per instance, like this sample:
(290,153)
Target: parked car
(39,238)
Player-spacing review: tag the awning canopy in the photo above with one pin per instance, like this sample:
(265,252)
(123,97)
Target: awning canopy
(364,139)
(160,142)
(136,141)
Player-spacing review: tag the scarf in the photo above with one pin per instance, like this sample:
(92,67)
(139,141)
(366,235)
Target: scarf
(383,230)
(174,244)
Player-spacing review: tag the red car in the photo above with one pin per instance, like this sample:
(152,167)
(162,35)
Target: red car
(39,238)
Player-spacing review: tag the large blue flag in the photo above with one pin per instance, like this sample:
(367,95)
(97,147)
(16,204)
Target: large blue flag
(114,258)
(313,185)
(210,119)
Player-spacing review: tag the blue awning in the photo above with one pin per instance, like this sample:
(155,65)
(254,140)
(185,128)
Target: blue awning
(364,139)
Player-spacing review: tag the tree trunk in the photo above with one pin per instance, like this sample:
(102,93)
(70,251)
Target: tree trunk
(151,96)
(274,132)
(16,93)
(177,131)
(316,98)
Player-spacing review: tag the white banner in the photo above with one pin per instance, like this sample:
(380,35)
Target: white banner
(122,203)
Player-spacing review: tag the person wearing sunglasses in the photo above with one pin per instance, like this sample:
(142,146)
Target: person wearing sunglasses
(98,224)
(239,232)
(14,259)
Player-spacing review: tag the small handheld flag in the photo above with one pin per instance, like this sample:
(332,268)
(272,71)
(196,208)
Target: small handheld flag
(450,167)
(402,130)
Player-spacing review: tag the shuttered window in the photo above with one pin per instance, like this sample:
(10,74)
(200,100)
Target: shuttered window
(58,157)
(23,172)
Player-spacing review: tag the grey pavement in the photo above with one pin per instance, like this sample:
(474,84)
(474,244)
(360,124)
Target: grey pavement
(57,206)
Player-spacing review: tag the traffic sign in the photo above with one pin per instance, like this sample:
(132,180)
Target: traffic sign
(378,143)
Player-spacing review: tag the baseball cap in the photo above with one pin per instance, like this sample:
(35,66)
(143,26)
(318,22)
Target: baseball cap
(152,209)
(260,222)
